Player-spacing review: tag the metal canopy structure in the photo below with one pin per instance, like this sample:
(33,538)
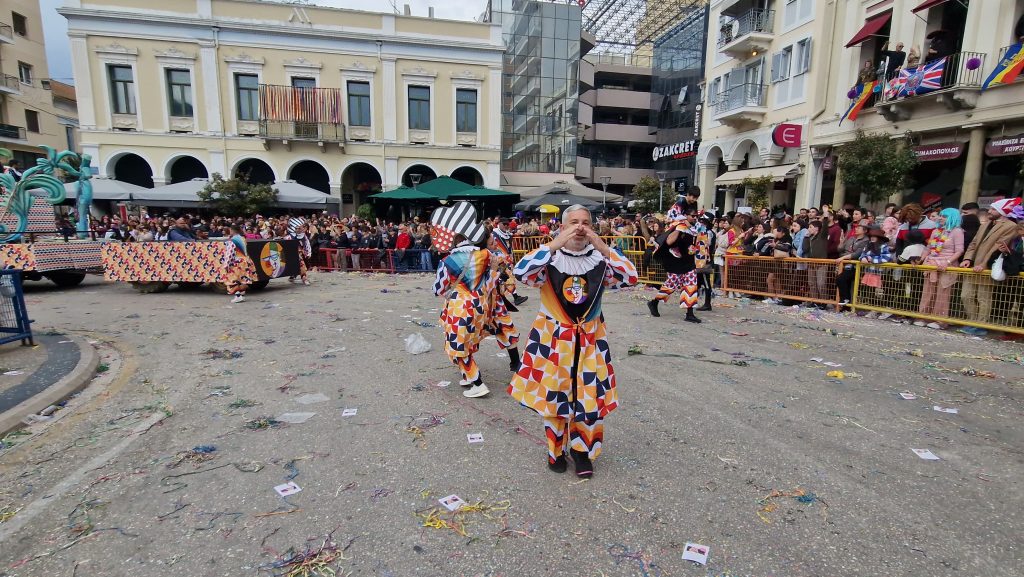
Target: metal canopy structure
(623,26)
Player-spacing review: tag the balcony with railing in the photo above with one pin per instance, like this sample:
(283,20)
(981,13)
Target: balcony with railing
(290,113)
(752,30)
(955,82)
(11,132)
(741,105)
(6,34)
(9,84)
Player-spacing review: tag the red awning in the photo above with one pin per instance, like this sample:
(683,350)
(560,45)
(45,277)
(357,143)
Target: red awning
(871,27)
(927,4)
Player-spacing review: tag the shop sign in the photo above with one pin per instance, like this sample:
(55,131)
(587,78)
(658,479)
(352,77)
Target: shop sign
(788,135)
(1005,146)
(944,151)
(687,149)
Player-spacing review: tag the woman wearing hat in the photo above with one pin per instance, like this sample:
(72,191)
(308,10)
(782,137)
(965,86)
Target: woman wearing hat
(467,279)
(297,231)
(945,247)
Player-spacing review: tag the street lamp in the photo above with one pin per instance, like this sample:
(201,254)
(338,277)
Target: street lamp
(661,193)
(604,186)
(415,178)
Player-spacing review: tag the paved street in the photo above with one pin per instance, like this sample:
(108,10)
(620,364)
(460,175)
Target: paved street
(713,419)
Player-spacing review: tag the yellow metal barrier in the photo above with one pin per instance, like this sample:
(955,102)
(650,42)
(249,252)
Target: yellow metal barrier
(635,248)
(797,279)
(955,296)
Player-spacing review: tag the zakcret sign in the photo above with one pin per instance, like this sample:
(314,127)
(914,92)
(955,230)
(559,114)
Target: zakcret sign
(944,151)
(1005,146)
(676,151)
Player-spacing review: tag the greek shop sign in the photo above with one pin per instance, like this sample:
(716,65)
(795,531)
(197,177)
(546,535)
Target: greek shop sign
(676,151)
(1007,146)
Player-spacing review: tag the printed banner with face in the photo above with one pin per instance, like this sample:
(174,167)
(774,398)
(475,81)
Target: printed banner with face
(274,258)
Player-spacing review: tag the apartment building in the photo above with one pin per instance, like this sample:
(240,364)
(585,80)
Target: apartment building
(969,140)
(764,69)
(340,100)
(614,116)
(34,110)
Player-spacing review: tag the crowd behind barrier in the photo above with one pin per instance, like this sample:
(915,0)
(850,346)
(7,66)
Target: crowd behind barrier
(375,260)
(915,293)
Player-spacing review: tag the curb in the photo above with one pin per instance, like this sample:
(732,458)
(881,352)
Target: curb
(88,360)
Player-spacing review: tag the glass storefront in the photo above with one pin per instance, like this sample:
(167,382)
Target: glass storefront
(540,88)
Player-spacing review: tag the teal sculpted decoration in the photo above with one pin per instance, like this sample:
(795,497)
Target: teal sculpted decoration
(17,201)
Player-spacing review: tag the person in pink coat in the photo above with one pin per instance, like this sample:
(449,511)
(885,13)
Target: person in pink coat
(945,247)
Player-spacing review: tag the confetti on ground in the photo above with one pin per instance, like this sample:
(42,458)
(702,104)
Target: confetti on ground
(770,502)
(242,404)
(263,423)
(312,562)
(196,456)
(221,354)
(439,518)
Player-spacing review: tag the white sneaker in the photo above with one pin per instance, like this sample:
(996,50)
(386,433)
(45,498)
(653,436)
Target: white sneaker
(475,391)
(465,383)
(935,326)
(919,324)
(884,316)
(871,315)
(305,282)
(238,299)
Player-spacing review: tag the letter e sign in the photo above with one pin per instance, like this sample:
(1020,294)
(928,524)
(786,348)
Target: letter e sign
(788,135)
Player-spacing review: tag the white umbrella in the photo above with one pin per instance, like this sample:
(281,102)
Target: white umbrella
(573,188)
(108,189)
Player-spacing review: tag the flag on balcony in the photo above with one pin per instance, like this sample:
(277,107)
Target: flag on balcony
(921,79)
(863,94)
(294,104)
(1008,68)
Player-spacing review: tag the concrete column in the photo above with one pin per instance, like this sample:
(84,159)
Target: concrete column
(210,86)
(706,178)
(391,176)
(492,177)
(730,199)
(972,172)
(218,163)
(388,75)
(83,80)
(839,198)
(494,109)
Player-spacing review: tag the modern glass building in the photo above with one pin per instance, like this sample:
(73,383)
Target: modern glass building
(676,105)
(540,88)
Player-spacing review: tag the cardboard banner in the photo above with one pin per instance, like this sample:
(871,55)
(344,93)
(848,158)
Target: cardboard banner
(274,258)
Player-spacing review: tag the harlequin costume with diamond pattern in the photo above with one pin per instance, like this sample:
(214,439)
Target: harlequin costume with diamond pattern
(464,276)
(566,373)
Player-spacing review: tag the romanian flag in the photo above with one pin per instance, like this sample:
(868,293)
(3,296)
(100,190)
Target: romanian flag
(1009,67)
(864,92)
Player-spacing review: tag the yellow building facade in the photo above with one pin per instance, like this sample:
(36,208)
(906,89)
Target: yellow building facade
(340,100)
(32,113)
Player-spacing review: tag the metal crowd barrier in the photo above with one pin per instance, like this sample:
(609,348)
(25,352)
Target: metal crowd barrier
(375,260)
(15,324)
(954,297)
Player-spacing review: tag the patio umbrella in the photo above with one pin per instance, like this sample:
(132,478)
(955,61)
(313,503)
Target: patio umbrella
(404,193)
(482,192)
(108,189)
(573,188)
(443,186)
(562,200)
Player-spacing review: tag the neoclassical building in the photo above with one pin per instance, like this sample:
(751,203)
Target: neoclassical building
(340,100)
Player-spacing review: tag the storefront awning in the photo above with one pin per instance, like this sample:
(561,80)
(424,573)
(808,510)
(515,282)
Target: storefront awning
(776,173)
(870,28)
(927,4)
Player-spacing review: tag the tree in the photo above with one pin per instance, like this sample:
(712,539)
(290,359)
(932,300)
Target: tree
(756,191)
(646,194)
(237,196)
(876,165)
(365,211)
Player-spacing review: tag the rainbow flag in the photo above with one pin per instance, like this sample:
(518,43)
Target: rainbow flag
(864,92)
(1009,67)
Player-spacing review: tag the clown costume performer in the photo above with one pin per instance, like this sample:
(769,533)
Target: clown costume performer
(297,231)
(499,321)
(501,238)
(241,272)
(676,250)
(566,373)
(467,281)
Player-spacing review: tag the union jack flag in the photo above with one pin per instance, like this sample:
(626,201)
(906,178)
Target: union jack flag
(921,79)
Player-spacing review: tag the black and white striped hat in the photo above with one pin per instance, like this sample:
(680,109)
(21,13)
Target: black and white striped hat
(460,218)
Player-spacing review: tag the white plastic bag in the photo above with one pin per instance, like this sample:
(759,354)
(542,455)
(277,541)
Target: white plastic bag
(416,344)
(998,274)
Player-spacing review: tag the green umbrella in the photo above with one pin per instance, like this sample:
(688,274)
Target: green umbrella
(443,186)
(403,193)
(483,192)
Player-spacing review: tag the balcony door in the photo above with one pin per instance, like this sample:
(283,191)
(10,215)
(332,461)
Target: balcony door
(305,129)
(753,76)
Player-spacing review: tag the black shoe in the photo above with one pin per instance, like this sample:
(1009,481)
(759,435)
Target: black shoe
(559,465)
(653,307)
(706,307)
(690,317)
(513,359)
(584,468)
(518,300)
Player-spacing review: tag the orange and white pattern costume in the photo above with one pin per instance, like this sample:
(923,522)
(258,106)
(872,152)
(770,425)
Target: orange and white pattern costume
(566,373)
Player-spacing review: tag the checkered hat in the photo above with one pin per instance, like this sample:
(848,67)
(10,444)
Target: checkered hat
(449,221)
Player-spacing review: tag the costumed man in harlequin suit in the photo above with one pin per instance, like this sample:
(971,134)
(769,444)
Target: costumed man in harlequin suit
(499,321)
(676,250)
(241,271)
(566,374)
(297,231)
(467,279)
(502,238)
(706,243)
